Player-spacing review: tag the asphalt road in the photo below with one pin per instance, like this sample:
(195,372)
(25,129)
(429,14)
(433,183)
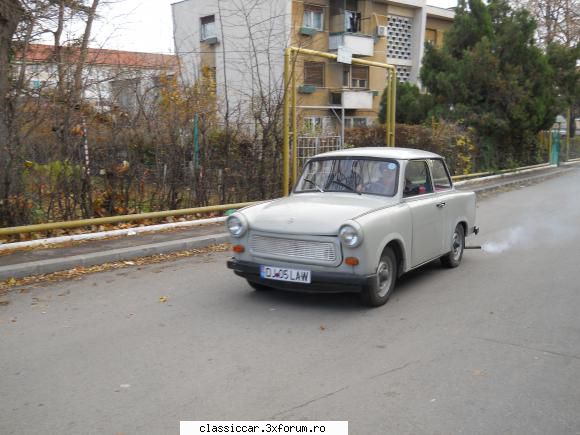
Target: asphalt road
(490,347)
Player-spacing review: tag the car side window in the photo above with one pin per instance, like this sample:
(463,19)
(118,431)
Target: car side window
(417,179)
(441,180)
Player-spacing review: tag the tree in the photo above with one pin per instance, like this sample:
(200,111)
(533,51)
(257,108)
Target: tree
(563,61)
(490,75)
(558,20)
(412,106)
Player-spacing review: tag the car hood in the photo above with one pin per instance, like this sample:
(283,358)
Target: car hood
(312,213)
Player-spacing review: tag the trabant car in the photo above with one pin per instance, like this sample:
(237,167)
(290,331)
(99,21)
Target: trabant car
(356,220)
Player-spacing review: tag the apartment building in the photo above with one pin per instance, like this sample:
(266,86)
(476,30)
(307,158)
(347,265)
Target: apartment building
(243,43)
(111,78)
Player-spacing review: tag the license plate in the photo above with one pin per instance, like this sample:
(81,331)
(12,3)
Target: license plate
(282,274)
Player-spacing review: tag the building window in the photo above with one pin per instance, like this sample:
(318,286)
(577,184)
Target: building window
(352,21)
(313,17)
(336,98)
(431,36)
(355,77)
(208,29)
(360,76)
(312,123)
(355,121)
(125,92)
(314,74)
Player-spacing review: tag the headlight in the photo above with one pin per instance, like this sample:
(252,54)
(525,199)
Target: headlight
(350,235)
(236,226)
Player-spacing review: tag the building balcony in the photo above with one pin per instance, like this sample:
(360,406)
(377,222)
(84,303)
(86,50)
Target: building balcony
(351,99)
(358,44)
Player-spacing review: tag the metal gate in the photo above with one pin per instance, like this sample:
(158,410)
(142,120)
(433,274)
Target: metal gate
(309,146)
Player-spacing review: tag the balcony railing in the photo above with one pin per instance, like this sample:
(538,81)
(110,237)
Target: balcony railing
(351,99)
(358,44)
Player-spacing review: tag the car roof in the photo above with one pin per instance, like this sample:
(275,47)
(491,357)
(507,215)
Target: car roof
(382,152)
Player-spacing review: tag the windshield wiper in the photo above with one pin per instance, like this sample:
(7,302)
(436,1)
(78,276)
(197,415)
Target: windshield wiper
(314,184)
(340,183)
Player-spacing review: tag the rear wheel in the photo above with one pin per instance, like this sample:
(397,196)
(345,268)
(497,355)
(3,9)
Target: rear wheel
(453,258)
(377,293)
(259,287)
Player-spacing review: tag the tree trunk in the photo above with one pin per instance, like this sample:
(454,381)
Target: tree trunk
(10,14)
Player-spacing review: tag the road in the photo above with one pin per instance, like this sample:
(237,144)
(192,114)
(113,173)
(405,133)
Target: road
(490,347)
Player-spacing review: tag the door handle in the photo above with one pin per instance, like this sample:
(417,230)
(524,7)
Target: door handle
(441,205)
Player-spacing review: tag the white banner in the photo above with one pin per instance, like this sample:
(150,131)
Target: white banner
(260,427)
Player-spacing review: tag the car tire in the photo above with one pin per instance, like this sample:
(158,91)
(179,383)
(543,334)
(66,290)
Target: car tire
(453,258)
(259,287)
(377,293)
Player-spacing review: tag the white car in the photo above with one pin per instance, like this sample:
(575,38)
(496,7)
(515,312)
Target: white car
(356,220)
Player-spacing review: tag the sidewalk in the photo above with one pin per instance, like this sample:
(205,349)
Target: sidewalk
(46,260)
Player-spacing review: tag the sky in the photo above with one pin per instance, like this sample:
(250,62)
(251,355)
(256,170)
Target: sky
(146,25)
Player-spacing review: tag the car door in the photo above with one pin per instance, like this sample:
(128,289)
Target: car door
(442,187)
(427,212)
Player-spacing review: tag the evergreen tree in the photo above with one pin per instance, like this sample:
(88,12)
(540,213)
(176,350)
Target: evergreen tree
(490,75)
(563,61)
(413,107)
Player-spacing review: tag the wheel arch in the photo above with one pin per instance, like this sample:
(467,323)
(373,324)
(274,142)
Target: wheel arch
(398,247)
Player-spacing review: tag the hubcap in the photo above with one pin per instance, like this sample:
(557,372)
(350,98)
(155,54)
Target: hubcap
(384,277)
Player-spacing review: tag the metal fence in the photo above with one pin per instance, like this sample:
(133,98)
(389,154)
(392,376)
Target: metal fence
(309,146)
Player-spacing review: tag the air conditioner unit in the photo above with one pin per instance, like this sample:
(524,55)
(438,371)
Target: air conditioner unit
(381,30)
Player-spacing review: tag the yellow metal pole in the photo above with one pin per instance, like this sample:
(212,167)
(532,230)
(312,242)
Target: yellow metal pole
(550,146)
(388,110)
(355,60)
(286,145)
(568,134)
(114,219)
(394,111)
(294,128)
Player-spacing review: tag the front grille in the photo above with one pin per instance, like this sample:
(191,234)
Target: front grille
(293,248)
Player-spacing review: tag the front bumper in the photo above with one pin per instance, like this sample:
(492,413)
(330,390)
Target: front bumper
(321,282)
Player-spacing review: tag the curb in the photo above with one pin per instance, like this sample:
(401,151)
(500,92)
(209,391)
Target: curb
(57,264)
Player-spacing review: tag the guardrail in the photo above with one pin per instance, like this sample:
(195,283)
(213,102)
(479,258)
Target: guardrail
(115,219)
(503,171)
(190,211)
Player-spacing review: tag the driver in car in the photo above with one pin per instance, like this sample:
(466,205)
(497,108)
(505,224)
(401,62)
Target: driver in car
(387,183)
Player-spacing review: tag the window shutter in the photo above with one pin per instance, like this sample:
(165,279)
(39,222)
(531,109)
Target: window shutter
(360,73)
(314,73)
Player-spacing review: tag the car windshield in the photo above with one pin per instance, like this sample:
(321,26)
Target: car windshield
(355,175)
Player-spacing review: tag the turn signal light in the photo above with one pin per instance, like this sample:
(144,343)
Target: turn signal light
(239,248)
(351,261)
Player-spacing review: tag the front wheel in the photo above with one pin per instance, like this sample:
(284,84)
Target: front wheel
(453,258)
(377,293)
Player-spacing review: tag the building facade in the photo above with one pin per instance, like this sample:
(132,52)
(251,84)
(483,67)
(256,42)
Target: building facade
(110,78)
(243,43)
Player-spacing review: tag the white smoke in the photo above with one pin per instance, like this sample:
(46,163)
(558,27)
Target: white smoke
(515,236)
(530,234)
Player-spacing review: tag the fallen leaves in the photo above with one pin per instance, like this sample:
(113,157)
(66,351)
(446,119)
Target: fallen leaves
(79,272)
(163,299)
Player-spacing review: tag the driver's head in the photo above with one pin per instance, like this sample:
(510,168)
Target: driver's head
(388,171)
